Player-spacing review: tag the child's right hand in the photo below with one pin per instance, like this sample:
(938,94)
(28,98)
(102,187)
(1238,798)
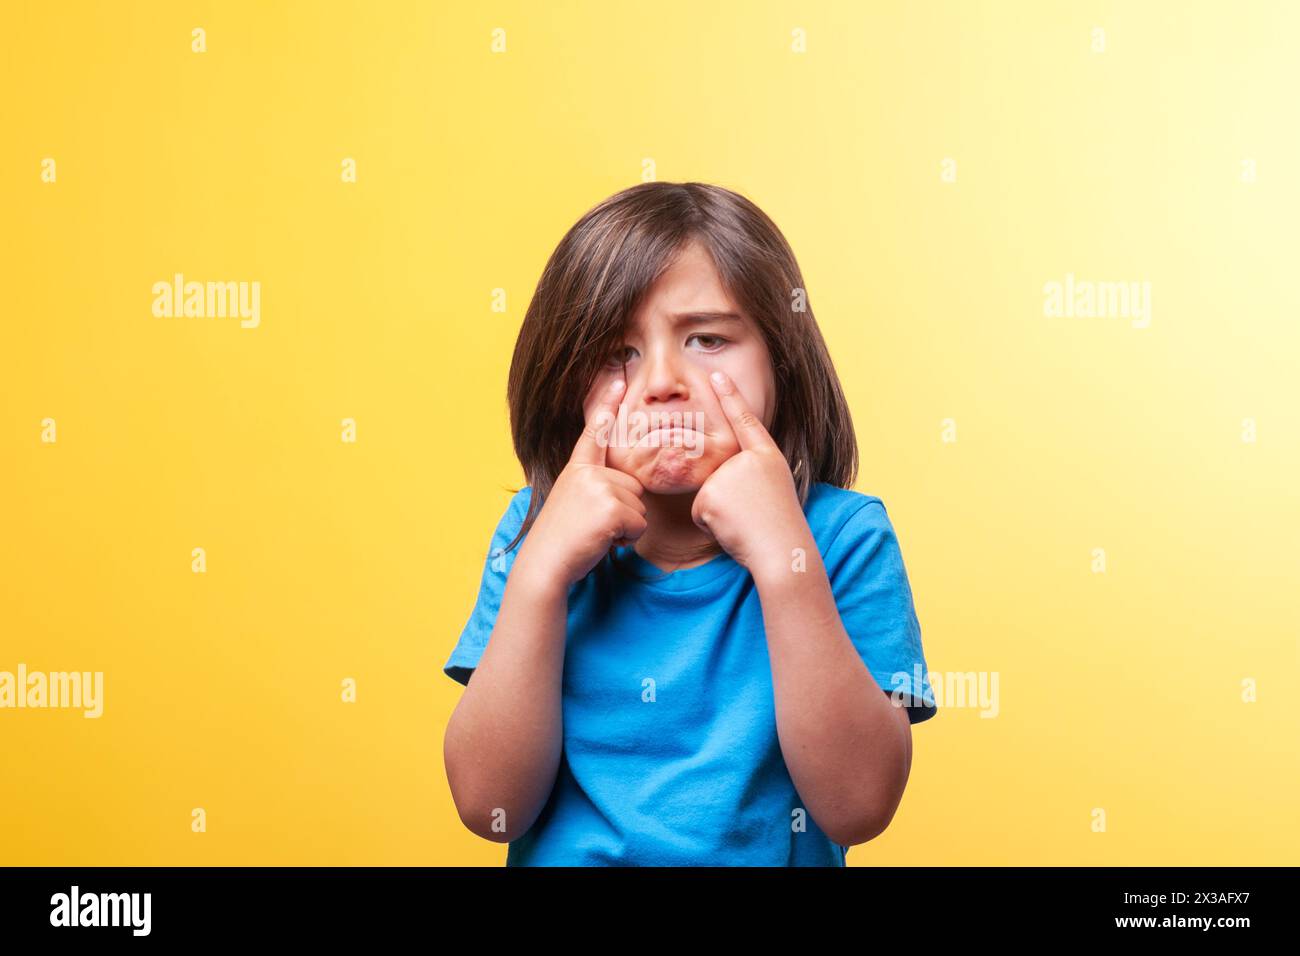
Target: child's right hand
(590,506)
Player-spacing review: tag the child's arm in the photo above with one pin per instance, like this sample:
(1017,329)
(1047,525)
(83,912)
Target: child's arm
(847,746)
(503,742)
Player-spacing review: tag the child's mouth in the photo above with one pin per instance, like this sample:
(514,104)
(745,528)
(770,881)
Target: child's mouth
(656,429)
(669,430)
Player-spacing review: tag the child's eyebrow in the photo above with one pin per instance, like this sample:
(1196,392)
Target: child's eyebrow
(688,318)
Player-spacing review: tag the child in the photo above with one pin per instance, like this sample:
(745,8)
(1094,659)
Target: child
(687,618)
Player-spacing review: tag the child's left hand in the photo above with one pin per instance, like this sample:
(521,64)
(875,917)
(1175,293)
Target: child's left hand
(750,504)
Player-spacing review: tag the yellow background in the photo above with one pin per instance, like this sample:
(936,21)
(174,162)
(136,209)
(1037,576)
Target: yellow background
(329,560)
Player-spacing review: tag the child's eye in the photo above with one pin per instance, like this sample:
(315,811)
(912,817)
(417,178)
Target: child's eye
(618,357)
(713,338)
(625,353)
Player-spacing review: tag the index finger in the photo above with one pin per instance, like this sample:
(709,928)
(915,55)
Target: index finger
(590,449)
(748,427)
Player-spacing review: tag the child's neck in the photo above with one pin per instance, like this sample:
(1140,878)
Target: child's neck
(673,541)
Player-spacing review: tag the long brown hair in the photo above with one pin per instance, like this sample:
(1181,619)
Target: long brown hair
(591,288)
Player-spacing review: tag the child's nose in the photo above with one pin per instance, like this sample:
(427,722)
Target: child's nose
(664,379)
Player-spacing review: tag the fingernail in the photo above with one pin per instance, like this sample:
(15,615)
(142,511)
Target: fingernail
(717,377)
(618,385)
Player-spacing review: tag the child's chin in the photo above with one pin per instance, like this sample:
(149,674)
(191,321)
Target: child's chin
(674,472)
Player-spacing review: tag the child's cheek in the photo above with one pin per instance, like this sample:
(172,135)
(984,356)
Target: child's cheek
(756,387)
(750,367)
(594,393)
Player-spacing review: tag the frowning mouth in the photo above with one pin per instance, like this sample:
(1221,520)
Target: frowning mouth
(661,429)
(665,432)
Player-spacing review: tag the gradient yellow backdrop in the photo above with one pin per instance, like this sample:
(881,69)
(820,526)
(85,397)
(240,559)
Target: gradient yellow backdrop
(329,560)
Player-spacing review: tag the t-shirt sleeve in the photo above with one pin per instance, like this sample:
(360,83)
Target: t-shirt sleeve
(496,568)
(865,566)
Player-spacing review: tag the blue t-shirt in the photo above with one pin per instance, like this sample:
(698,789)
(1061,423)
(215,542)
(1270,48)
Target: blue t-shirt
(671,755)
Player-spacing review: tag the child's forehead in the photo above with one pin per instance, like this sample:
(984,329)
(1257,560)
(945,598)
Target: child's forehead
(686,318)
